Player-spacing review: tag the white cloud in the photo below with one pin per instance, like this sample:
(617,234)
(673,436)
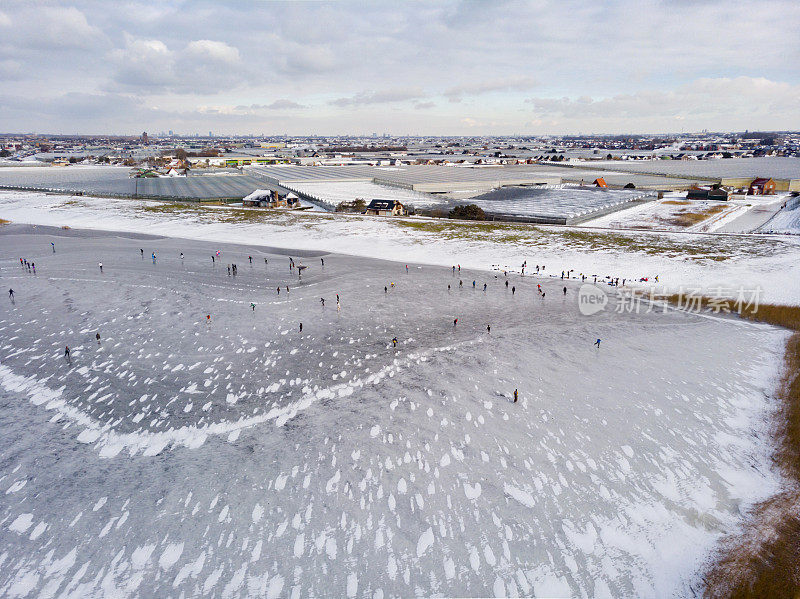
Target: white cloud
(202,66)
(212,51)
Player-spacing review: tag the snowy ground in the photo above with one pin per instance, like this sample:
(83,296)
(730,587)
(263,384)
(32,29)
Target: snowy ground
(243,457)
(785,220)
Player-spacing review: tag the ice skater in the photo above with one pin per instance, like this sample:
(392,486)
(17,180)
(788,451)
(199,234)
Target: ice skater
(484,286)
(101,266)
(513,290)
(141,251)
(455,322)
(11,295)
(488,329)
(53,245)
(213,260)
(279,290)
(406,268)
(97,336)
(253,306)
(394,341)
(301,327)
(67,357)
(181,256)
(250,258)
(516,395)
(322,301)
(153,256)
(323,261)
(565,291)
(597,343)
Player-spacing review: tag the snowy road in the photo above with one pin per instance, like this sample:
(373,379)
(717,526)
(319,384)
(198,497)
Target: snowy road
(242,457)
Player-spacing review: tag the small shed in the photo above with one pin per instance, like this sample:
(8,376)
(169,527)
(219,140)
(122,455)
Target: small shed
(600,182)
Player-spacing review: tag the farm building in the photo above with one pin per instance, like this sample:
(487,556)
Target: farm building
(267,198)
(761,186)
(385,208)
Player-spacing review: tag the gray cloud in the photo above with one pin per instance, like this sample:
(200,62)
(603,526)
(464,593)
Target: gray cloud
(475,88)
(284,105)
(382,97)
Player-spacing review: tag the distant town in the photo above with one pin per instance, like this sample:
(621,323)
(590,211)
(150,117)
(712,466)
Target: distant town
(166,149)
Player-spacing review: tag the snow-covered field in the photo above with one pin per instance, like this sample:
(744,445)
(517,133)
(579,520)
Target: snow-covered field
(242,457)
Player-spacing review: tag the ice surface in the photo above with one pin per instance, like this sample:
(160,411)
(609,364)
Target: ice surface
(681,261)
(359,469)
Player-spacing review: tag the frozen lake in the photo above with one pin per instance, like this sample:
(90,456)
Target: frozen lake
(244,457)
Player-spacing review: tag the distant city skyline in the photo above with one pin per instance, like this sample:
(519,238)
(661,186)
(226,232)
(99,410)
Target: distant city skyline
(412,68)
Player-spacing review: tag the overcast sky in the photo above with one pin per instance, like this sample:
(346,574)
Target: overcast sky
(436,68)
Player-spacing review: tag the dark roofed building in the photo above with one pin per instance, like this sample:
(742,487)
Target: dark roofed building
(385,208)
